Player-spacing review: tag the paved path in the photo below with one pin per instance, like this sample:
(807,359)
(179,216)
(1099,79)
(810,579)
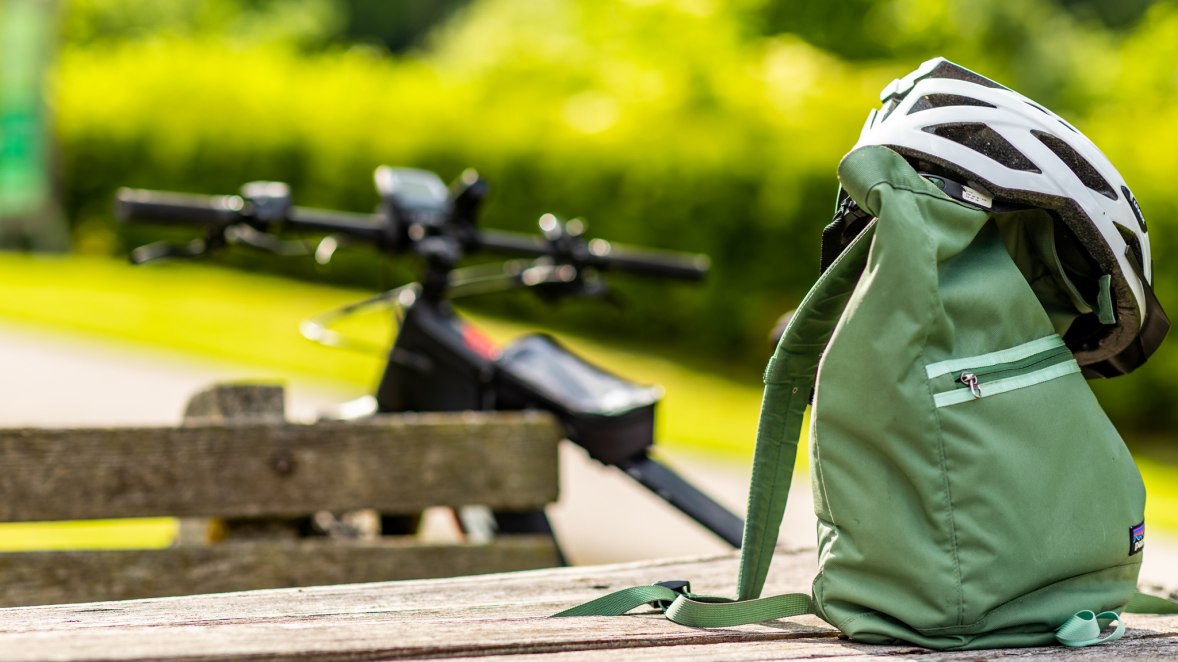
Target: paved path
(602,516)
(67,380)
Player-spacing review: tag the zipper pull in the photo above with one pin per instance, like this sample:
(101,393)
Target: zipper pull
(971,380)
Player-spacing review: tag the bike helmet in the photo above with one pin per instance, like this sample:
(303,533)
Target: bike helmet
(989,146)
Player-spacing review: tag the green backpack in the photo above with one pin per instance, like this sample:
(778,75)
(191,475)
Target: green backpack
(969,489)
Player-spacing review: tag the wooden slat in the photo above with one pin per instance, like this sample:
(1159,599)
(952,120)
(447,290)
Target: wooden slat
(237,403)
(37,578)
(233,403)
(475,618)
(396,464)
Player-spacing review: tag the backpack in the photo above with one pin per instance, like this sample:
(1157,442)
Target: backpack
(969,489)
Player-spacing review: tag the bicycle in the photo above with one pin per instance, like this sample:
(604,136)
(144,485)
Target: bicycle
(438,360)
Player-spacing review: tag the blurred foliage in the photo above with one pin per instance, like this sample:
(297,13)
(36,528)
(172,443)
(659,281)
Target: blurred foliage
(1113,13)
(308,23)
(1134,122)
(688,124)
(398,25)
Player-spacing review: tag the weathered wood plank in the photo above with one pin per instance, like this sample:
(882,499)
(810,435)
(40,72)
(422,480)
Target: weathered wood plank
(37,578)
(237,403)
(396,464)
(472,618)
(230,403)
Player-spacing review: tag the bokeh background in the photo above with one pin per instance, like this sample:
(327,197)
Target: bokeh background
(690,124)
(695,125)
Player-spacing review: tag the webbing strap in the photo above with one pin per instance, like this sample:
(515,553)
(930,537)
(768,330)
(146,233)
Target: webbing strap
(1142,603)
(701,611)
(690,610)
(782,410)
(1084,629)
(620,602)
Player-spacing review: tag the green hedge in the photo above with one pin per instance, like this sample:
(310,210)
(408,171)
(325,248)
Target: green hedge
(1133,120)
(670,124)
(731,151)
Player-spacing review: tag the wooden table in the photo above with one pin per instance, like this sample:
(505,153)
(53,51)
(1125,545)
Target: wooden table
(474,618)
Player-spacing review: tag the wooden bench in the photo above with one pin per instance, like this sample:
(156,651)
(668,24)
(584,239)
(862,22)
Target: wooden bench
(482,617)
(237,460)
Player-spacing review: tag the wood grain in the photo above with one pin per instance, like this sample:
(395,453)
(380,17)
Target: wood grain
(227,403)
(236,403)
(35,578)
(396,464)
(476,618)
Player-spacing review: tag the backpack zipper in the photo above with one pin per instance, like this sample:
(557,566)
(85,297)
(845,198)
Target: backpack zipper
(971,380)
(974,379)
(986,375)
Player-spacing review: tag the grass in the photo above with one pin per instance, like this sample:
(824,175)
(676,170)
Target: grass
(1161,484)
(145,533)
(253,319)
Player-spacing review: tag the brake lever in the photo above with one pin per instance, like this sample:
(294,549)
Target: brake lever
(162,250)
(326,248)
(553,282)
(244,234)
(216,238)
(567,239)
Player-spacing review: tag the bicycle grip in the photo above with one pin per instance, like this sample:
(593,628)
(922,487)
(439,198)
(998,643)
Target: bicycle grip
(645,262)
(167,208)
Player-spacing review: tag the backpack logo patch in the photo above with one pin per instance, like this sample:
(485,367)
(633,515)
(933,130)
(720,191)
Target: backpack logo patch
(1136,539)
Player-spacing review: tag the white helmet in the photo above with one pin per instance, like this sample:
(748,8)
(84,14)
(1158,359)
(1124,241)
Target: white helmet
(1009,152)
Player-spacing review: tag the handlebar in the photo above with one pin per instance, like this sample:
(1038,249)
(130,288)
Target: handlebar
(169,208)
(644,262)
(216,213)
(604,255)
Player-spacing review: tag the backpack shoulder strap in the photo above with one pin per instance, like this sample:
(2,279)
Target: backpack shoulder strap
(789,379)
(876,177)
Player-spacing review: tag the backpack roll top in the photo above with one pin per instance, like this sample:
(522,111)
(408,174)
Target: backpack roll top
(970,491)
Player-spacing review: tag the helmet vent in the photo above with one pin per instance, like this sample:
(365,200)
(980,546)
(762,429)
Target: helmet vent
(887,109)
(944,100)
(1133,242)
(986,141)
(1080,166)
(947,69)
(1135,207)
(1038,108)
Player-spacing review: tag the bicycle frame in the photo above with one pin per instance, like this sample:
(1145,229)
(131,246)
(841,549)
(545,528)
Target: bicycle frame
(441,362)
